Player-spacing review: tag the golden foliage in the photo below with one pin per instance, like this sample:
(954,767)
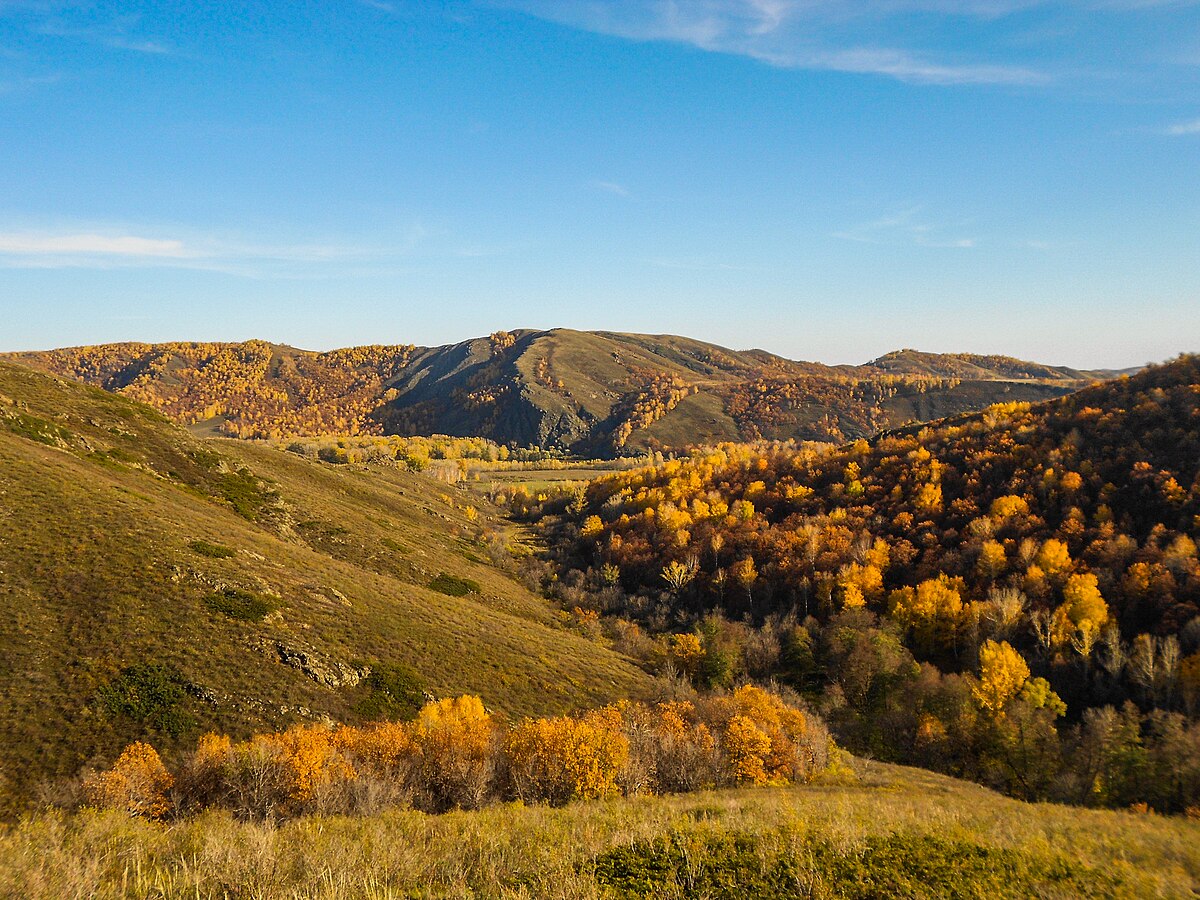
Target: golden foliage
(747,746)
(567,758)
(310,757)
(455,755)
(686,652)
(137,783)
(1002,674)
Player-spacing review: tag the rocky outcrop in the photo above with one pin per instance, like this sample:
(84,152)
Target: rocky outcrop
(314,664)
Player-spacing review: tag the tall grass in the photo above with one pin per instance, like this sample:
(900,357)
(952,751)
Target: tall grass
(826,840)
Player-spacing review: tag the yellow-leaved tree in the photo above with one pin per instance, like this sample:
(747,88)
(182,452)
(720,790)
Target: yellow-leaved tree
(566,758)
(1082,614)
(455,741)
(930,611)
(1002,674)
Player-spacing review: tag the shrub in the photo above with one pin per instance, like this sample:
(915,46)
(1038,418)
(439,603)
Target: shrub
(456,743)
(137,783)
(454,586)
(560,759)
(753,866)
(238,604)
(245,493)
(765,739)
(393,691)
(453,755)
(149,694)
(213,551)
(675,749)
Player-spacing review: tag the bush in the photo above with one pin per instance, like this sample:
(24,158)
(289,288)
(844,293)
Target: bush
(137,783)
(213,551)
(245,493)
(454,586)
(561,759)
(238,604)
(753,866)
(453,755)
(150,695)
(393,691)
(456,743)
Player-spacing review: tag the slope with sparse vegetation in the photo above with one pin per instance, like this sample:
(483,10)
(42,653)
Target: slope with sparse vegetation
(154,585)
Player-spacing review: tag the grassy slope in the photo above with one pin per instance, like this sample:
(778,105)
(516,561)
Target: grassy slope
(898,833)
(99,500)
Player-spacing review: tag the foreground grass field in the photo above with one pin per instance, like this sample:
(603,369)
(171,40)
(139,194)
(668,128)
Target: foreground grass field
(896,833)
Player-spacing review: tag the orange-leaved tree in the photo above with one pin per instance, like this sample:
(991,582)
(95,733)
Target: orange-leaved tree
(137,783)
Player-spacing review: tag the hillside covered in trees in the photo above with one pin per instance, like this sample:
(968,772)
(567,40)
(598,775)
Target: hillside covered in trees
(598,393)
(1012,595)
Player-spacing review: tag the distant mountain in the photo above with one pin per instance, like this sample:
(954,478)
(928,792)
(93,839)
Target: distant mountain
(154,585)
(592,392)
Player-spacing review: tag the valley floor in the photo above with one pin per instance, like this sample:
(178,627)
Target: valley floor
(897,832)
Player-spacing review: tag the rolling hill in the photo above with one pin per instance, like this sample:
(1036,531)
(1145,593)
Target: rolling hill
(599,393)
(154,585)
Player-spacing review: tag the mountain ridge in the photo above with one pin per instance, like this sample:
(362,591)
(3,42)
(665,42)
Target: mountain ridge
(594,392)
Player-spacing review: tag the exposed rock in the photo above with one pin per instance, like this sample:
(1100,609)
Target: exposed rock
(316,665)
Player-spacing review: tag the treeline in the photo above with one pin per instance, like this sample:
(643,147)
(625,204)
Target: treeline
(455,754)
(258,392)
(1065,531)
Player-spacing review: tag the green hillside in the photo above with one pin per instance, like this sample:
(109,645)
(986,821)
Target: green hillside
(599,393)
(157,585)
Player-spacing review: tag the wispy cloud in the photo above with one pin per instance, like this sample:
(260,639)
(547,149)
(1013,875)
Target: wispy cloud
(33,244)
(26,83)
(904,66)
(118,34)
(803,34)
(1179,129)
(610,187)
(381,5)
(904,227)
(107,249)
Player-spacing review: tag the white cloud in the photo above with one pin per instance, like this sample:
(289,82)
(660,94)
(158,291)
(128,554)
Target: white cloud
(116,35)
(1184,128)
(791,33)
(905,67)
(904,227)
(611,187)
(34,244)
(106,249)
(27,83)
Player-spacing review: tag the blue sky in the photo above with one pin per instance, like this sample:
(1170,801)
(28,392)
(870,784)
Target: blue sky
(823,179)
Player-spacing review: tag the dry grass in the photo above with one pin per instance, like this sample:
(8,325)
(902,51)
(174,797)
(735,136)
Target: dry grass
(515,851)
(100,571)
